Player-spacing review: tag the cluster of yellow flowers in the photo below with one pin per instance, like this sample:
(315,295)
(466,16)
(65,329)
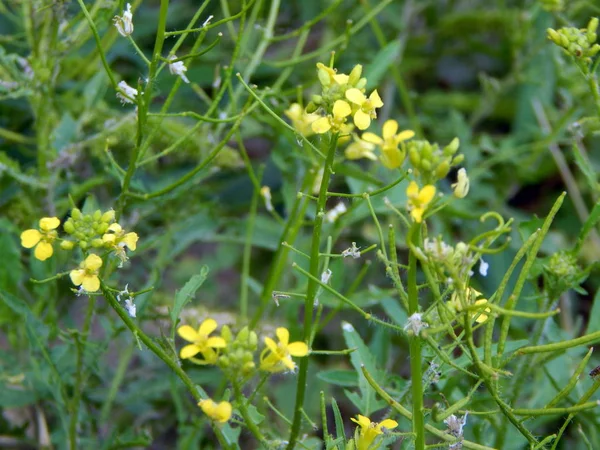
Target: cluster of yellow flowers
(343,97)
(86,231)
(235,356)
(367,432)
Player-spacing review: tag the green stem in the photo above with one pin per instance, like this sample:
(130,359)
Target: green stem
(79,372)
(414,343)
(311,290)
(593,84)
(241,403)
(144,104)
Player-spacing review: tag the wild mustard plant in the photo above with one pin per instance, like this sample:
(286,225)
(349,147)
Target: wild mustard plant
(368,267)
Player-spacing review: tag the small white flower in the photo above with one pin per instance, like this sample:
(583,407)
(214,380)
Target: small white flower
(415,323)
(456,425)
(352,251)
(483,267)
(325,276)
(178,68)
(265,191)
(130,306)
(124,24)
(207,21)
(126,93)
(461,187)
(336,212)
(124,292)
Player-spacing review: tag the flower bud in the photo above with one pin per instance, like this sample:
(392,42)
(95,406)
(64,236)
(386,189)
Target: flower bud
(69,227)
(108,216)
(76,214)
(67,245)
(97,243)
(355,75)
(452,147)
(442,169)
(83,245)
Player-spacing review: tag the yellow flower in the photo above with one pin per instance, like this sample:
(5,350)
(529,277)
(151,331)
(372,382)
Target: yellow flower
(360,149)
(418,200)
(370,430)
(328,76)
(87,275)
(220,412)
(481,314)
(341,110)
(301,120)
(118,237)
(278,357)
(41,239)
(461,187)
(391,156)
(201,342)
(366,107)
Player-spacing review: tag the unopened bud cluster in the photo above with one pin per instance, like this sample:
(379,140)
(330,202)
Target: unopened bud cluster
(87,229)
(237,358)
(334,86)
(577,42)
(432,162)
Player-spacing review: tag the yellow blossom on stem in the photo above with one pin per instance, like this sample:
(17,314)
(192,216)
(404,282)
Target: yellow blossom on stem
(366,107)
(87,275)
(341,110)
(201,342)
(41,239)
(360,149)
(219,412)
(481,314)
(419,199)
(278,357)
(118,240)
(301,120)
(391,156)
(328,76)
(370,430)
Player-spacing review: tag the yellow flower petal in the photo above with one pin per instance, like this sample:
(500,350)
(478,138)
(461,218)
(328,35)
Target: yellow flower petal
(283,335)
(77,276)
(426,194)
(188,333)
(388,423)
(363,421)
(412,190)
(130,240)
(43,251)
(404,135)
(417,214)
(341,109)
(207,327)
(321,125)
(30,238)
(109,238)
(356,96)
(49,223)
(362,120)
(223,412)
(287,362)
(92,262)
(390,127)
(298,349)
(216,342)
(271,345)
(341,78)
(115,228)
(91,283)
(372,138)
(189,351)
(391,158)
(375,99)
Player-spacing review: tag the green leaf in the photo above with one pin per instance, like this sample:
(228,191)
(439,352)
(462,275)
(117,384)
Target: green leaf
(11,269)
(594,323)
(367,401)
(347,378)
(339,422)
(15,398)
(588,226)
(586,168)
(185,295)
(388,55)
